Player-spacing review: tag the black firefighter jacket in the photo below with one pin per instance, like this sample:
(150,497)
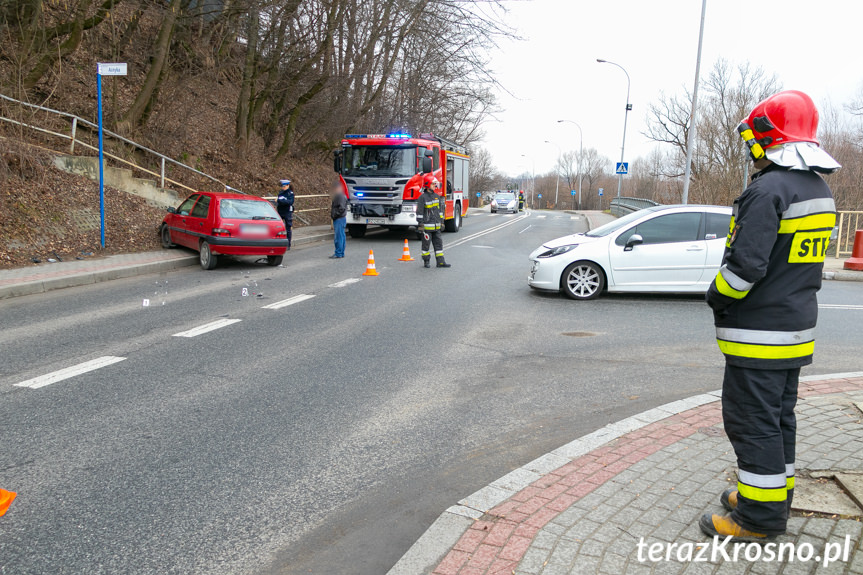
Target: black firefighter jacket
(430,211)
(764,297)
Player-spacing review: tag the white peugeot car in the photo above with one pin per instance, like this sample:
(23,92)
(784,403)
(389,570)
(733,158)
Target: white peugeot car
(660,249)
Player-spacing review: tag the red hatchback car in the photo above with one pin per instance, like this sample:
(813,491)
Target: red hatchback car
(217,223)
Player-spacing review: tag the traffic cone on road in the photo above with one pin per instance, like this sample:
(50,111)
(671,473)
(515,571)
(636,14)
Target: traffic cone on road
(6,498)
(406,254)
(370,268)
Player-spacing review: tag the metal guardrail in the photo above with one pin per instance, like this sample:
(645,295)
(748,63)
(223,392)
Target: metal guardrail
(72,137)
(849,222)
(622,206)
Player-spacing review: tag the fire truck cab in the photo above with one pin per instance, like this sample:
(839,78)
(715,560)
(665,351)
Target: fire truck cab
(382,179)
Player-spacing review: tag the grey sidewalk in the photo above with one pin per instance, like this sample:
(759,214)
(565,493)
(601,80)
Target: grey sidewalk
(585,507)
(50,276)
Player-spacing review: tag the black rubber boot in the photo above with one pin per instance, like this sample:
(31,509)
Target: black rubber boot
(441,263)
(426,263)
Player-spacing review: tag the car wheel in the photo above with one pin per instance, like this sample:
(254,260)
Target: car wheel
(209,260)
(582,280)
(275,260)
(166,238)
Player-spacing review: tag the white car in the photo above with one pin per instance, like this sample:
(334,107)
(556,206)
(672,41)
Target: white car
(674,249)
(504,202)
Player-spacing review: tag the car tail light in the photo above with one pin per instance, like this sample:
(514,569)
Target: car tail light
(282,234)
(221,232)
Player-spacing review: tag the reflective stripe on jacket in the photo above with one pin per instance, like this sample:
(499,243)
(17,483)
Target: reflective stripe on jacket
(764,296)
(430,211)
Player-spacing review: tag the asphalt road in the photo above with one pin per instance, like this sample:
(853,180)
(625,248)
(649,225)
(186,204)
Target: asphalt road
(327,435)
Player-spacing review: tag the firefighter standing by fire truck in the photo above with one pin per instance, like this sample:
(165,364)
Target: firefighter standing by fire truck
(765,308)
(430,218)
(521,201)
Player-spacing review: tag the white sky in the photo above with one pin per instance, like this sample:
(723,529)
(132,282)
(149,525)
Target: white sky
(553,74)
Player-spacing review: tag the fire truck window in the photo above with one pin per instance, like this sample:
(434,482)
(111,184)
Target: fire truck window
(450,176)
(436,158)
(458,174)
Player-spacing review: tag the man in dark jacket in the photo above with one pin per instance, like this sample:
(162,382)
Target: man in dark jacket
(339,214)
(765,309)
(285,207)
(430,218)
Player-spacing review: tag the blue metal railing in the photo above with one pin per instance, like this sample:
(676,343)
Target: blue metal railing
(622,206)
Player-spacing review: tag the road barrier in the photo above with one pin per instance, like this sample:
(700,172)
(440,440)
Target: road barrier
(623,206)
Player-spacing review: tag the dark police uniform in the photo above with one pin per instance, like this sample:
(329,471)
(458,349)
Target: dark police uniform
(285,207)
(521,201)
(765,311)
(430,218)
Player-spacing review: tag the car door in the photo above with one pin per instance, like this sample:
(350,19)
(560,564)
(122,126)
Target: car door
(716,230)
(179,229)
(196,222)
(670,258)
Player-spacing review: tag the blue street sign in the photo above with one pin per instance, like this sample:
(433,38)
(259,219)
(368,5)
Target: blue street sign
(600,191)
(622,168)
(539,196)
(479,194)
(572,192)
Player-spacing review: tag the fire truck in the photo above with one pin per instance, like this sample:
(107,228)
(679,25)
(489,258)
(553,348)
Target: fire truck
(382,175)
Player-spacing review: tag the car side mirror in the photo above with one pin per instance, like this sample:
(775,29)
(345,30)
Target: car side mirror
(172,210)
(633,241)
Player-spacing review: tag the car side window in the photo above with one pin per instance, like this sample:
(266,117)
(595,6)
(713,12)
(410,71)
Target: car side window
(202,207)
(186,206)
(717,226)
(668,229)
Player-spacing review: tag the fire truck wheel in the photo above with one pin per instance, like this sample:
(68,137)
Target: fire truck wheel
(454,224)
(357,231)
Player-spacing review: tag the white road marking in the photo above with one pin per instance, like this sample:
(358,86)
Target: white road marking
(62,374)
(509,215)
(492,215)
(484,247)
(207,327)
(525,229)
(839,306)
(289,301)
(573,217)
(488,231)
(540,217)
(346,282)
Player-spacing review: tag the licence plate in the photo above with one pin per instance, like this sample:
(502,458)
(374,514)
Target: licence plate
(255,229)
(376,220)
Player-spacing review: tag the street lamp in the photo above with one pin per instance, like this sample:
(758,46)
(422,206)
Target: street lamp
(580,154)
(625,118)
(532,177)
(557,170)
(693,119)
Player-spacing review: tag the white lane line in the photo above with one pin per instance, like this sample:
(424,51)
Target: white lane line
(484,247)
(492,215)
(62,374)
(540,217)
(573,217)
(207,327)
(509,215)
(346,282)
(525,229)
(488,231)
(289,301)
(839,306)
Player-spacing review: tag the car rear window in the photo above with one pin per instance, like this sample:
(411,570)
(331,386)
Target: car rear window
(247,210)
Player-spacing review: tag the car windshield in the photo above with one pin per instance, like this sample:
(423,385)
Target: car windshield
(247,210)
(504,197)
(615,225)
(380,161)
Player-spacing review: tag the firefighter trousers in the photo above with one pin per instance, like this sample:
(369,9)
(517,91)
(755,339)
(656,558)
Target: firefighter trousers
(758,413)
(432,238)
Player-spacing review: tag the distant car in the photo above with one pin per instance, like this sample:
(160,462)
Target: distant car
(217,223)
(674,249)
(504,202)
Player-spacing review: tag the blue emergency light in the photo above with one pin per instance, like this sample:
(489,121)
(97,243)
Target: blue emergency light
(360,194)
(398,135)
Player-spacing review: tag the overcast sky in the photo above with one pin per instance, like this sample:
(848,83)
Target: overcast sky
(553,74)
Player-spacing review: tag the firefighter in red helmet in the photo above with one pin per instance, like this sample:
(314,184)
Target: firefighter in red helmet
(430,219)
(765,308)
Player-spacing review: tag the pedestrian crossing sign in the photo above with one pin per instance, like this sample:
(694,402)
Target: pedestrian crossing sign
(622,168)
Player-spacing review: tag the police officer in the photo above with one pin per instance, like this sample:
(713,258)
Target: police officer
(430,217)
(521,201)
(285,207)
(765,308)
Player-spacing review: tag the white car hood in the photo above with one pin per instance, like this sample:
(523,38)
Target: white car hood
(569,240)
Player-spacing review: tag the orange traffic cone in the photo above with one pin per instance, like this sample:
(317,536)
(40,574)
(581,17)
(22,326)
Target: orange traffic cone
(6,498)
(406,254)
(370,268)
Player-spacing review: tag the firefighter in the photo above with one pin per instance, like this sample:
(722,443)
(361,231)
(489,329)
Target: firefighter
(765,308)
(521,201)
(285,207)
(430,218)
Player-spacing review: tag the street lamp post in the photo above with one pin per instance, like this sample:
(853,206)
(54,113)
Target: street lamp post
(625,118)
(580,154)
(693,119)
(557,170)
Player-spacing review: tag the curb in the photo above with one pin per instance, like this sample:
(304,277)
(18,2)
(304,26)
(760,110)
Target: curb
(844,276)
(431,548)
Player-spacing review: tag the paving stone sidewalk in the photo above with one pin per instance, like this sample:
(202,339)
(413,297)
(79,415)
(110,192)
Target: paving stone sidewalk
(650,476)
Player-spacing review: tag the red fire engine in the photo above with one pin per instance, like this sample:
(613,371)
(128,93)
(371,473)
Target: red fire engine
(382,176)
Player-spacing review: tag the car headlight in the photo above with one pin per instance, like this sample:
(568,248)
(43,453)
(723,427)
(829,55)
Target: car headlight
(494,204)
(557,251)
(511,204)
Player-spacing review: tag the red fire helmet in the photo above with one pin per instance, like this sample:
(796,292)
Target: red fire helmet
(430,182)
(789,116)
